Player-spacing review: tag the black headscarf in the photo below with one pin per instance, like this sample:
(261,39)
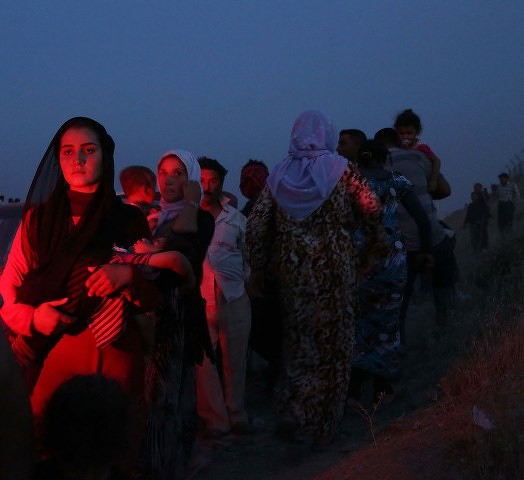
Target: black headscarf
(51,243)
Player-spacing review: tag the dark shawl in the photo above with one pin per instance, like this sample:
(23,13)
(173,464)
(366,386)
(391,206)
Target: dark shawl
(51,243)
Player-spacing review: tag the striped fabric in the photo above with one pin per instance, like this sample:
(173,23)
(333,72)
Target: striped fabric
(108,320)
(106,316)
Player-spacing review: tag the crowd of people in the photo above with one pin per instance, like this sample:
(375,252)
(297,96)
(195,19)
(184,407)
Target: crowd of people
(131,321)
(506,196)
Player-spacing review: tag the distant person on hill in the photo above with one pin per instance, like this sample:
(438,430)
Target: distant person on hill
(349,142)
(416,167)
(477,217)
(507,194)
(482,191)
(408,126)
(252,181)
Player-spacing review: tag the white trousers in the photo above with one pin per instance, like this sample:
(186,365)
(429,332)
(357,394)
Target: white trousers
(220,395)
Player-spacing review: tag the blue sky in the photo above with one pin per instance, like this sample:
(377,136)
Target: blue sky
(227,79)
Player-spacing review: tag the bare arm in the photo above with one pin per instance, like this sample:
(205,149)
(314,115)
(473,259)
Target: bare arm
(443,189)
(126,278)
(18,316)
(435,173)
(178,263)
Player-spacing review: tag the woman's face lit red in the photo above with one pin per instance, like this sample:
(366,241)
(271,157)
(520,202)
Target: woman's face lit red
(172,177)
(81,159)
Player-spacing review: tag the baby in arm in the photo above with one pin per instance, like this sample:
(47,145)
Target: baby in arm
(113,310)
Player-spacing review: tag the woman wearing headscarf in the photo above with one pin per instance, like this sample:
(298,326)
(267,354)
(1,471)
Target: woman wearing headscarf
(181,336)
(58,283)
(377,339)
(302,226)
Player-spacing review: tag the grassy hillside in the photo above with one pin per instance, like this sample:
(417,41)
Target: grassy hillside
(474,428)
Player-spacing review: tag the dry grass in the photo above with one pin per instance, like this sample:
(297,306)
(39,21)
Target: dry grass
(482,404)
(471,428)
(475,428)
(487,390)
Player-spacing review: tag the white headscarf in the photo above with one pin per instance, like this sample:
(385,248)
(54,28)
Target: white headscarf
(170,210)
(306,177)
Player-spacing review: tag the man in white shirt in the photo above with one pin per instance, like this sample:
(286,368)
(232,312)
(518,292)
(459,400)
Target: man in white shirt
(221,387)
(507,195)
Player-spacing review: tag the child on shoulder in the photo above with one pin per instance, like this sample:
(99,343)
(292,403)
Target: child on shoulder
(409,127)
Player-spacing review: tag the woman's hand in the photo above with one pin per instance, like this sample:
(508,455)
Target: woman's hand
(192,192)
(48,320)
(108,279)
(145,246)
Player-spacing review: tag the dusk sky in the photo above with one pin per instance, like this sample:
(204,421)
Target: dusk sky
(227,79)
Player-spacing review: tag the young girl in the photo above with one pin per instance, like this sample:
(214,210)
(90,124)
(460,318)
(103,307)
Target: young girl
(408,126)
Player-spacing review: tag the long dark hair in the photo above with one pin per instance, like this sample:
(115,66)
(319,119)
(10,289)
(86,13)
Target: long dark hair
(51,244)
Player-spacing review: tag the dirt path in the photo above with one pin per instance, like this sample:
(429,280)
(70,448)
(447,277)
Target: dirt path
(413,434)
(262,456)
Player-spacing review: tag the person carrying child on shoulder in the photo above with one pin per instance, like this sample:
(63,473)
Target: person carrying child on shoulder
(408,126)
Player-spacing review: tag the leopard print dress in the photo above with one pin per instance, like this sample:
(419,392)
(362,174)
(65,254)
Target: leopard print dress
(313,262)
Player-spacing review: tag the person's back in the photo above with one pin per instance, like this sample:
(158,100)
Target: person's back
(416,168)
(377,335)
